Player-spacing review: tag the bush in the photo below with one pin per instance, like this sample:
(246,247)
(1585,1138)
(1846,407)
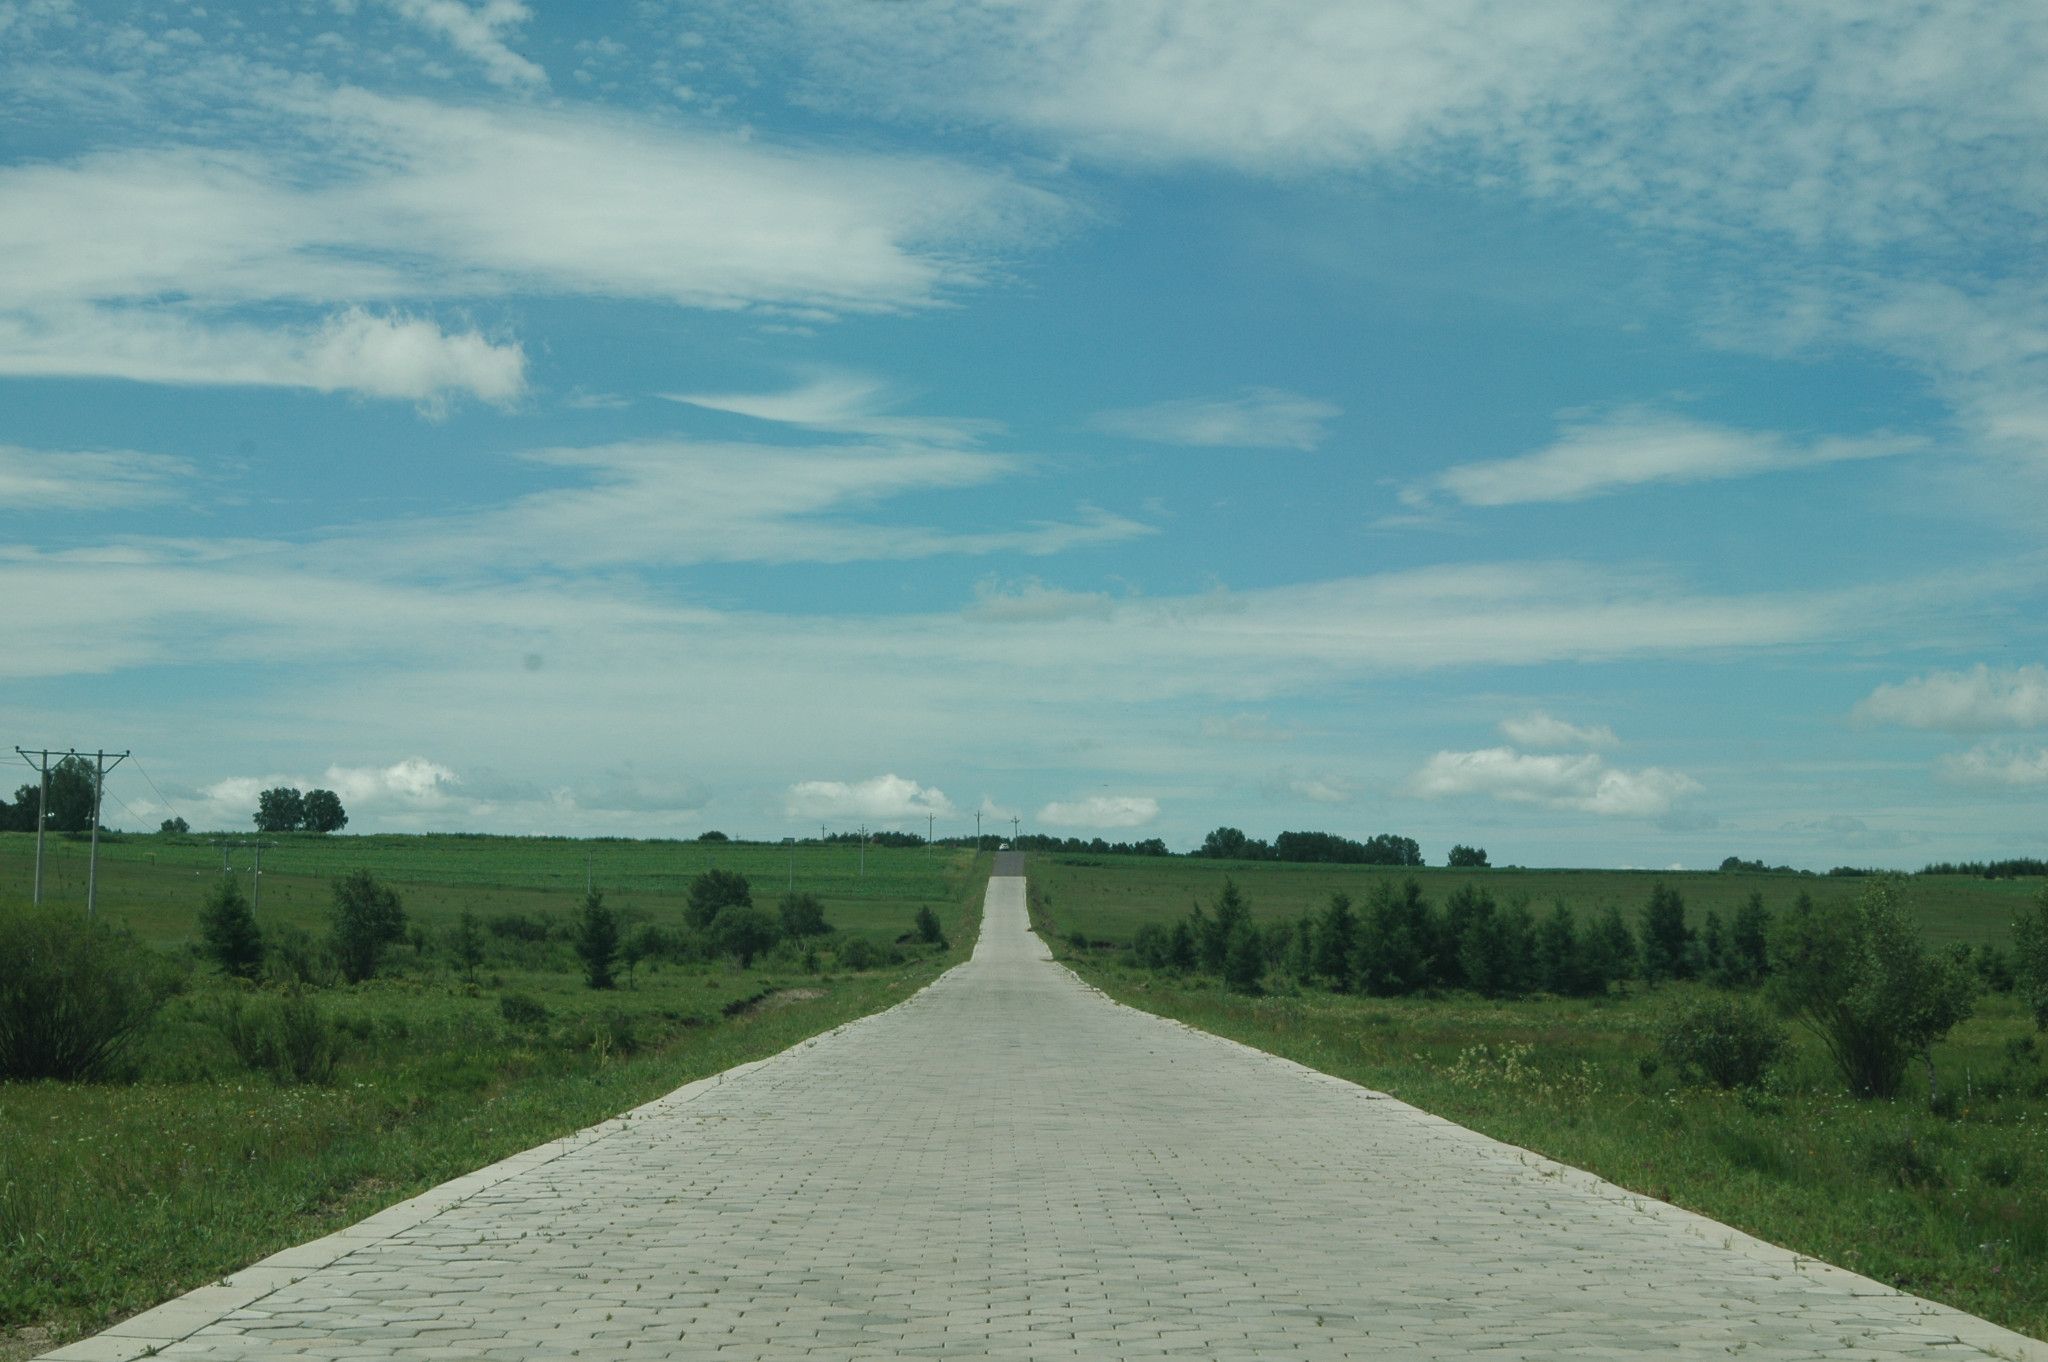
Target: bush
(928,929)
(745,931)
(858,953)
(804,915)
(714,891)
(1857,976)
(2030,958)
(291,1040)
(74,993)
(296,958)
(1721,1041)
(521,1009)
(228,931)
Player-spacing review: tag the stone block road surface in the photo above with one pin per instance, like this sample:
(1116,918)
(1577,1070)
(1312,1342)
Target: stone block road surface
(1009,1165)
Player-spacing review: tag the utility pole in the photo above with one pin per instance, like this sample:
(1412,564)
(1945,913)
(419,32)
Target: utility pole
(792,863)
(1013,832)
(42,765)
(931,823)
(977,832)
(863,851)
(99,785)
(100,766)
(255,864)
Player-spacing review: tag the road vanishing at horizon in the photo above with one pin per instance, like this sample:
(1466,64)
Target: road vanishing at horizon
(1010,1165)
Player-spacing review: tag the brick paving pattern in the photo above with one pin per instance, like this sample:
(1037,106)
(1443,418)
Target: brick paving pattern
(1008,1165)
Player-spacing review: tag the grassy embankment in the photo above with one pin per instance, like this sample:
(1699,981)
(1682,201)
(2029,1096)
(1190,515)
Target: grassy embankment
(1951,1205)
(114,1196)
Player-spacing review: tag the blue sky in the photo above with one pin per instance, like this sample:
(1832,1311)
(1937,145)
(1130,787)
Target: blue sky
(1608,433)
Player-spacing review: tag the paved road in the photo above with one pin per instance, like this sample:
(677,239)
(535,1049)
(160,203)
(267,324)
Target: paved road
(1008,1165)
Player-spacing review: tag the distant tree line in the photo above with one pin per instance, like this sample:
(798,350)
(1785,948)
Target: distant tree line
(1314,848)
(1990,870)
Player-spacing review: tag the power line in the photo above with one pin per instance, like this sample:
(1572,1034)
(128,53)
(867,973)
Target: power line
(161,797)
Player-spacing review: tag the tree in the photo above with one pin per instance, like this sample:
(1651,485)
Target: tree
(466,942)
(1610,950)
(714,891)
(745,931)
(1216,931)
(280,809)
(1664,935)
(174,825)
(20,816)
(1748,957)
(1467,858)
(1335,941)
(2030,958)
(1395,941)
(364,918)
(1388,849)
(713,835)
(1856,975)
(228,931)
(1230,844)
(322,812)
(597,941)
(1244,963)
(928,929)
(804,915)
(73,783)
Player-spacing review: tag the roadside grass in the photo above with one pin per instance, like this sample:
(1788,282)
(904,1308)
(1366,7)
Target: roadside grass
(117,1196)
(1125,892)
(1948,1202)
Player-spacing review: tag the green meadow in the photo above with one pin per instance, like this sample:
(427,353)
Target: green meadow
(250,1116)
(1946,1199)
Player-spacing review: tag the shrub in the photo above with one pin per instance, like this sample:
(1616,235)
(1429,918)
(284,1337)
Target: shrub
(1244,963)
(712,892)
(1665,935)
(522,1009)
(1721,1041)
(519,927)
(74,993)
(745,931)
(1151,946)
(1858,977)
(466,943)
(2030,958)
(804,915)
(289,1039)
(858,953)
(228,931)
(366,917)
(296,958)
(928,929)
(597,941)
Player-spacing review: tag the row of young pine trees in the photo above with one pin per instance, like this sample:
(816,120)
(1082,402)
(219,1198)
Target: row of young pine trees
(1397,943)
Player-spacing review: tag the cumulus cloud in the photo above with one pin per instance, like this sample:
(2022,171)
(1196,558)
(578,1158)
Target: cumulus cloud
(1636,447)
(1581,782)
(1981,700)
(413,783)
(478,32)
(1100,811)
(1997,765)
(886,798)
(1257,418)
(1545,731)
(52,480)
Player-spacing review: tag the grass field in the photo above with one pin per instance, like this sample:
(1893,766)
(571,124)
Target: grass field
(1949,1202)
(1125,891)
(114,1196)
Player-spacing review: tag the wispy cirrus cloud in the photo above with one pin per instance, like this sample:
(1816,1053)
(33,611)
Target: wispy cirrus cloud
(1996,765)
(316,254)
(1639,447)
(87,480)
(1257,418)
(478,32)
(842,403)
(1543,730)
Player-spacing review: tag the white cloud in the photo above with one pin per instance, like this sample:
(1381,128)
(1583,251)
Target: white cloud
(478,33)
(851,404)
(1322,789)
(414,783)
(887,798)
(1981,700)
(1635,447)
(52,480)
(1258,418)
(1032,601)
(1244,727)
(1581,782)
(1100,811)
(355,211)
(1541,730)
(1997,765)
